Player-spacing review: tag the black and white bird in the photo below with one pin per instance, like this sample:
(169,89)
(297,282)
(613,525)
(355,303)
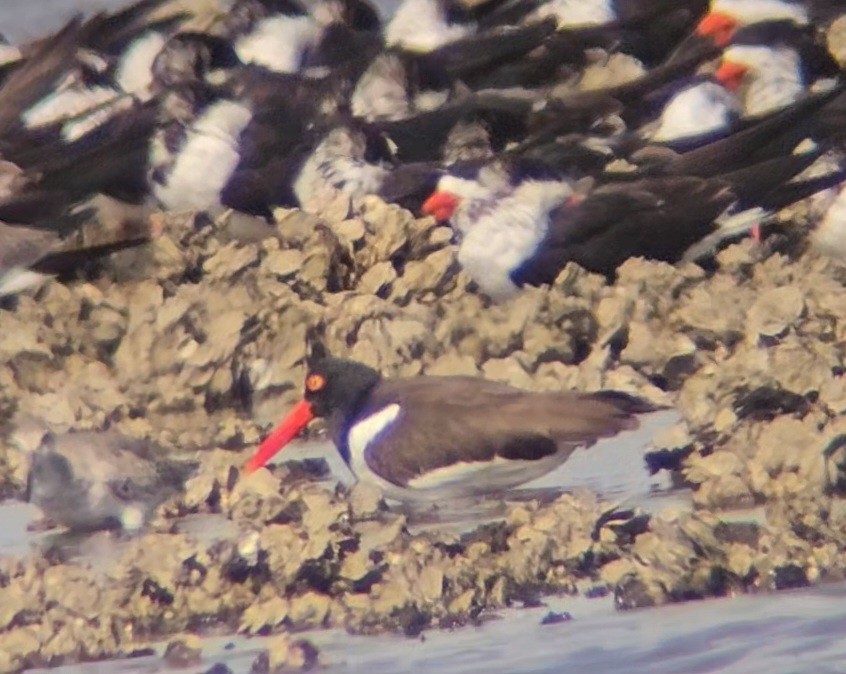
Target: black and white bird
(771,65)
(517,227)
(97,181)
(284,36)
(429,438)
(69,83)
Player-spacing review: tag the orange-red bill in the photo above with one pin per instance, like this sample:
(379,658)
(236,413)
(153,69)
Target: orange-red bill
(719,27)
(297,419)
(441,205)
(731,75)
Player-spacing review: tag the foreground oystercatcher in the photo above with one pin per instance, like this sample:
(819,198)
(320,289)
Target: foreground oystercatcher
(430,437)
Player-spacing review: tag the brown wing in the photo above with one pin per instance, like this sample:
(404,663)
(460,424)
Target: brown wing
(445,420)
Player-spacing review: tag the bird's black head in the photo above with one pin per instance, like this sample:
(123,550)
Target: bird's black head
(334,389)
(334,386)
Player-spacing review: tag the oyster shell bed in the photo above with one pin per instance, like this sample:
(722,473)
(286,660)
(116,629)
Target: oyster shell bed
(198,341)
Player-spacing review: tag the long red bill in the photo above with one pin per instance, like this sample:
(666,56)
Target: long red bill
(297,419)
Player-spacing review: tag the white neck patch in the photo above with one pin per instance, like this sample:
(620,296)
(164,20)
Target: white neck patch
(361,435)
(775,76)
(336,164)
(830,235)
(381,90)
(572,13)
(134,73)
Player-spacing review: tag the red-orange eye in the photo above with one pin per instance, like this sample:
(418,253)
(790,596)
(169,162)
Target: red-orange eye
(315,382)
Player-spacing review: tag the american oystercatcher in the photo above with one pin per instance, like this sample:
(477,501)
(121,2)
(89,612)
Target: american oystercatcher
(430,437)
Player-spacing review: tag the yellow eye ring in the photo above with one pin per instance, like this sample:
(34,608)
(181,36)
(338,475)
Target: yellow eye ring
(315,382)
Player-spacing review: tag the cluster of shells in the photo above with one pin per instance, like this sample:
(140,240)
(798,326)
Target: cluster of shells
(198,342)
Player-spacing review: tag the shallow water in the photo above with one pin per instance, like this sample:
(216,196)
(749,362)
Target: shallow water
(14,537)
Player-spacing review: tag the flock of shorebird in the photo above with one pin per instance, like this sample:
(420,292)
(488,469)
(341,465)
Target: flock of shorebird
(544,131)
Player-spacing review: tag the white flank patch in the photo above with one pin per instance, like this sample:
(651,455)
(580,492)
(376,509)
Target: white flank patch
(728,226)
(756,11)
(774,77)
(421,26)
(67,103)
(134,73)
(572,13)
(430,100)
(279,42)
(509,234)
(702,108)
(159,155)
(459,479)
(206,160)
(361,435)
(479,477)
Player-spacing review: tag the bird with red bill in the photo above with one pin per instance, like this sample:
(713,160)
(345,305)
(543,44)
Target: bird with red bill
(431,437)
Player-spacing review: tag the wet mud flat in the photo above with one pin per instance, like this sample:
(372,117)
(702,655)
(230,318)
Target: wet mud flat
(198,342)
